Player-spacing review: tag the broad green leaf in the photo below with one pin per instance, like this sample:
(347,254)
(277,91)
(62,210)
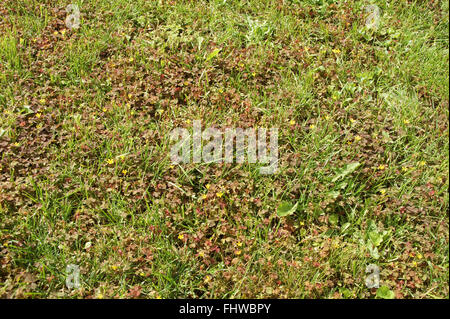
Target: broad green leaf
(376,238)
(343,185)
(346,293)
(349,168)
(334,194)
(373,250)
(213,54)
(385,293)
(286,209)
(200,41)
(329,233)
(28,108)
(386,137)
(345,227)
(333,219)
(371,226)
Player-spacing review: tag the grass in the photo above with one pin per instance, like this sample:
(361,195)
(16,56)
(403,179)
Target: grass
(85,170)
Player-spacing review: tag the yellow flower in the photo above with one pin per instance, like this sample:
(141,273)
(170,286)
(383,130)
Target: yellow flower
(253,74)
(381,167)
(55,33)
(100,296)
(105,109)
(171,166)
(239,244)
(180,236)
(110,161)
(422,163)
(238,252)
(419,256)
(312,126)
(406,121)
(130,95)
(124,172)
(405,169)
(142,274)
(114,267)
(219,194)
(352,121)
(292,122)
(383,191)
(327,117)
(302,224)
(414,264)
(158,297)
(42,101)
(357,138)
(220,91)
(16,144)
(204,196)
(207,278)
(201,254)
(130,60)
(337,51)
(188,121)
(208,186)
(63,32)
(38,115)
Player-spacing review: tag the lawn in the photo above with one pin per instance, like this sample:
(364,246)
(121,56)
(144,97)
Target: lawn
(93,206)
